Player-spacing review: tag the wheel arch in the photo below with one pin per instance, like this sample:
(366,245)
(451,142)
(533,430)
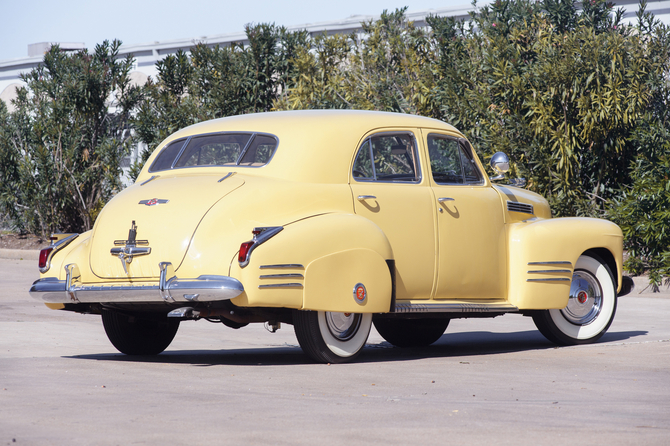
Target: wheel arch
(606,256)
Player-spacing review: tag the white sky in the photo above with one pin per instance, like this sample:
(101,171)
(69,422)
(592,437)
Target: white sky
(138,21)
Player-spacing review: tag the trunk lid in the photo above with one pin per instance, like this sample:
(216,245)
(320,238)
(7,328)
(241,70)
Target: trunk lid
(165,211)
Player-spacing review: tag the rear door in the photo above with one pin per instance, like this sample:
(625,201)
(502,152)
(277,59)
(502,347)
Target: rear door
(390,189)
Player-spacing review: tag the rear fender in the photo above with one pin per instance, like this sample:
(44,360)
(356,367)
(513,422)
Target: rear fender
(316,264)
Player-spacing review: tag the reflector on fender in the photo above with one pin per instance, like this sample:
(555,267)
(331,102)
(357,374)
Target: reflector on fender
(261,235)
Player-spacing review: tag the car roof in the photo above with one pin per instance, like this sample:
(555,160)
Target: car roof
(314,145)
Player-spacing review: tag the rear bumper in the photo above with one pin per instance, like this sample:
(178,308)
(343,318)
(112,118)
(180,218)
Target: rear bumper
(170,288)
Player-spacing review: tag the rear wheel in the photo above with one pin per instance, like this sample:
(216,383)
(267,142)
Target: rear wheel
(139,334)
(411,332)
(329,337)
(591,306)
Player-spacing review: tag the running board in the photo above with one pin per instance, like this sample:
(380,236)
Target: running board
(408,307)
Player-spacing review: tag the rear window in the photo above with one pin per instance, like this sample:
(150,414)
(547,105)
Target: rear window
(220,149)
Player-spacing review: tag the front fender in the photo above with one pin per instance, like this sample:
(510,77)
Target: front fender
(536,280)
(315,263)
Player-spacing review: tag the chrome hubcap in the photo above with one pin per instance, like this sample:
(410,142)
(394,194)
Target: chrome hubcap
(343,326)
(586,299)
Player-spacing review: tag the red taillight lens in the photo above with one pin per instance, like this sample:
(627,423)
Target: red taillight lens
(244,251)
(44,257)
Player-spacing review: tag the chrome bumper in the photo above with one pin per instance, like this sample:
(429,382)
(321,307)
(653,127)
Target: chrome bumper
(169,289)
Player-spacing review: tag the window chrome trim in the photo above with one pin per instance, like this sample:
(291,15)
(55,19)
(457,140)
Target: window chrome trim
(372,159)
(245,148)
(181,152)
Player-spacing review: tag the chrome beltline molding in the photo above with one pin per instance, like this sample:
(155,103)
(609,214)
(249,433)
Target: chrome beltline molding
(170,288)
(453,308)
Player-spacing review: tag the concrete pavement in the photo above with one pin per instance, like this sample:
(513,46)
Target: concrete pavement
(486,381)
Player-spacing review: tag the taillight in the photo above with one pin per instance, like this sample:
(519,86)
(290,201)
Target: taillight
(44,258)
(244,251)
(58,242)
(261,235)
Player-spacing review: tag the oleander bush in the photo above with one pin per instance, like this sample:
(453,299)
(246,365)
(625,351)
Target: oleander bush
(61,147)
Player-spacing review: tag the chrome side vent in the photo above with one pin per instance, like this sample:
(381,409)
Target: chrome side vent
(277,279)
(515,206)
(555,271)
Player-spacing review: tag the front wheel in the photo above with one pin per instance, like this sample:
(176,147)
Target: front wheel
(329,337)
(139,334)
(591,306)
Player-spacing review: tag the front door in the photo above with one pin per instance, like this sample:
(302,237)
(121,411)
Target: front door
(470,224)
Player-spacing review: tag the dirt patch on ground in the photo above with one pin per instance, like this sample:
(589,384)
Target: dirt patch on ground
(15,241)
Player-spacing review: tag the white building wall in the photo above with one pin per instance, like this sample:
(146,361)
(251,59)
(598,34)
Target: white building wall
(147,54)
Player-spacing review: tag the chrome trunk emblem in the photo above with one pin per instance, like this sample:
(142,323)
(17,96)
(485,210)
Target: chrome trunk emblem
(130,248)
(153,201)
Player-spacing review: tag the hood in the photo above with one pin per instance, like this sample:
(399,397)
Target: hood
(165,212)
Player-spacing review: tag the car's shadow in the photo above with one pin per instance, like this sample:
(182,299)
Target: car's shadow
(450,345)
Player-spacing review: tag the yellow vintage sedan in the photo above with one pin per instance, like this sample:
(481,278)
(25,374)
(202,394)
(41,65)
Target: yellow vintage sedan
(330,221)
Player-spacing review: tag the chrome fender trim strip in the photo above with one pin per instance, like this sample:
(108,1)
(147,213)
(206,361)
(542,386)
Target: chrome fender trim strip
(280,285)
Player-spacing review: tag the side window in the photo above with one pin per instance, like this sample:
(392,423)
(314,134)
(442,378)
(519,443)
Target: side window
(363,165)
(451,162)
(387,157)
(470,171)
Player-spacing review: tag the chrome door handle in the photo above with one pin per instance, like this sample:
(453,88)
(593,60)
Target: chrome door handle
(443,199)
(366,197)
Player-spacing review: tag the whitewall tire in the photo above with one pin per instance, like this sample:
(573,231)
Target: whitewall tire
(329,337)
(591,305)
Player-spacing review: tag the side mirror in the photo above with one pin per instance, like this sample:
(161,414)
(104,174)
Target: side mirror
(500,165)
